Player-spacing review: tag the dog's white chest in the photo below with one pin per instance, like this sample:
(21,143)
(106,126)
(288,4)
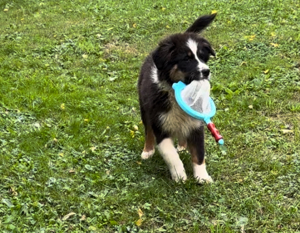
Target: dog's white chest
(177,122)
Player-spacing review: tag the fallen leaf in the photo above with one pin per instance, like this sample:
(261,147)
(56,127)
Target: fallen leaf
(6,9)
(252,37)
(68,216)
(214,12)
(62,106)
(274,45)
(266,71)
(132,133)
(83,218)
(139,222)
(140,212)
(287,131)
(13,191)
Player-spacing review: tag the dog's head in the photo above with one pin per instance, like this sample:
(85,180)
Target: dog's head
(184,57)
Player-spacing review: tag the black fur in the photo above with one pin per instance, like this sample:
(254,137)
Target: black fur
(201,23)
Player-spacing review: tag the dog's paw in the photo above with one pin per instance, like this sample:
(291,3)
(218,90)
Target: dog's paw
(201,174)
(202,180)
(178,173)
(147,154)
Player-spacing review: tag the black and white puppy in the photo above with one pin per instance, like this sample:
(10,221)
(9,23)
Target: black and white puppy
(180,57)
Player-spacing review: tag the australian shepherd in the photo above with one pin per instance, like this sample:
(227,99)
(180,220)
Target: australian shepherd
(179,57)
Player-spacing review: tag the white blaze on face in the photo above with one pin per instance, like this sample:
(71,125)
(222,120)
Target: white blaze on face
(194,47)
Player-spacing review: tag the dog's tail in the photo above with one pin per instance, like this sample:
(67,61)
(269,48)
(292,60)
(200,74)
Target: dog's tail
(201,23)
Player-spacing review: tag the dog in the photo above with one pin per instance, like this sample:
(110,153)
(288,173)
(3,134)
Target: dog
(179,57)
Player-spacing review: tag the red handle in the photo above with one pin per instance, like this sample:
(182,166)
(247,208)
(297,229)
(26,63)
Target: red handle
(214,132)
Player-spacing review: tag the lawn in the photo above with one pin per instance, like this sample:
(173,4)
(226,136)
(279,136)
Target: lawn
(71,134)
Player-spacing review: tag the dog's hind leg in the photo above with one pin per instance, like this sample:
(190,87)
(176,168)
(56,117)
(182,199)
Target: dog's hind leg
(149,147)
(182,145)
(196,148)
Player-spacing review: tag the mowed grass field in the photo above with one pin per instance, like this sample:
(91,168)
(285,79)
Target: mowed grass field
(71,134)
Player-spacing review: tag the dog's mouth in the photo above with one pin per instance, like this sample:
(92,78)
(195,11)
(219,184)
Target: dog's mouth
(196,76)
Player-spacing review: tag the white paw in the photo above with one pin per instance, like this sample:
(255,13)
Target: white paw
(203,180)
(201,174)
(147,154)
(178,173)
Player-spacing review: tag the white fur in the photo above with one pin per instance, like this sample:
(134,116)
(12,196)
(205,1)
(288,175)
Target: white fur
(194,47)
(171,157)
(154,75)
(180,148)
(147,154)
(201,174)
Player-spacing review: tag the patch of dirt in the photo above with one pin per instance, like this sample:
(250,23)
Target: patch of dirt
(124,48)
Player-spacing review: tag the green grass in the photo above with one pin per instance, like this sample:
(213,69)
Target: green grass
(69,144)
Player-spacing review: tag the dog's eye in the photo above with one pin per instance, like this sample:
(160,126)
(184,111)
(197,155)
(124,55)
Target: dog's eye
(203,56)
(187,58)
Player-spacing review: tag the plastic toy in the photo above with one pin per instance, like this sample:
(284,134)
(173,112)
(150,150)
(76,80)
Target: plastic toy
(206,117)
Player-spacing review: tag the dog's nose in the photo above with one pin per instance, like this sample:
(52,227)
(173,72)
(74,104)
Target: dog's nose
(205,73)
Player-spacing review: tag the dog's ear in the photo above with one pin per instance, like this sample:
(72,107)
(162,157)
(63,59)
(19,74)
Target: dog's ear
(163,53)
(210,49)
(201,23)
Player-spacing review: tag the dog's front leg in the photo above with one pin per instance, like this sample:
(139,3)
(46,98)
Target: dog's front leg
(196,148)
(171,157)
